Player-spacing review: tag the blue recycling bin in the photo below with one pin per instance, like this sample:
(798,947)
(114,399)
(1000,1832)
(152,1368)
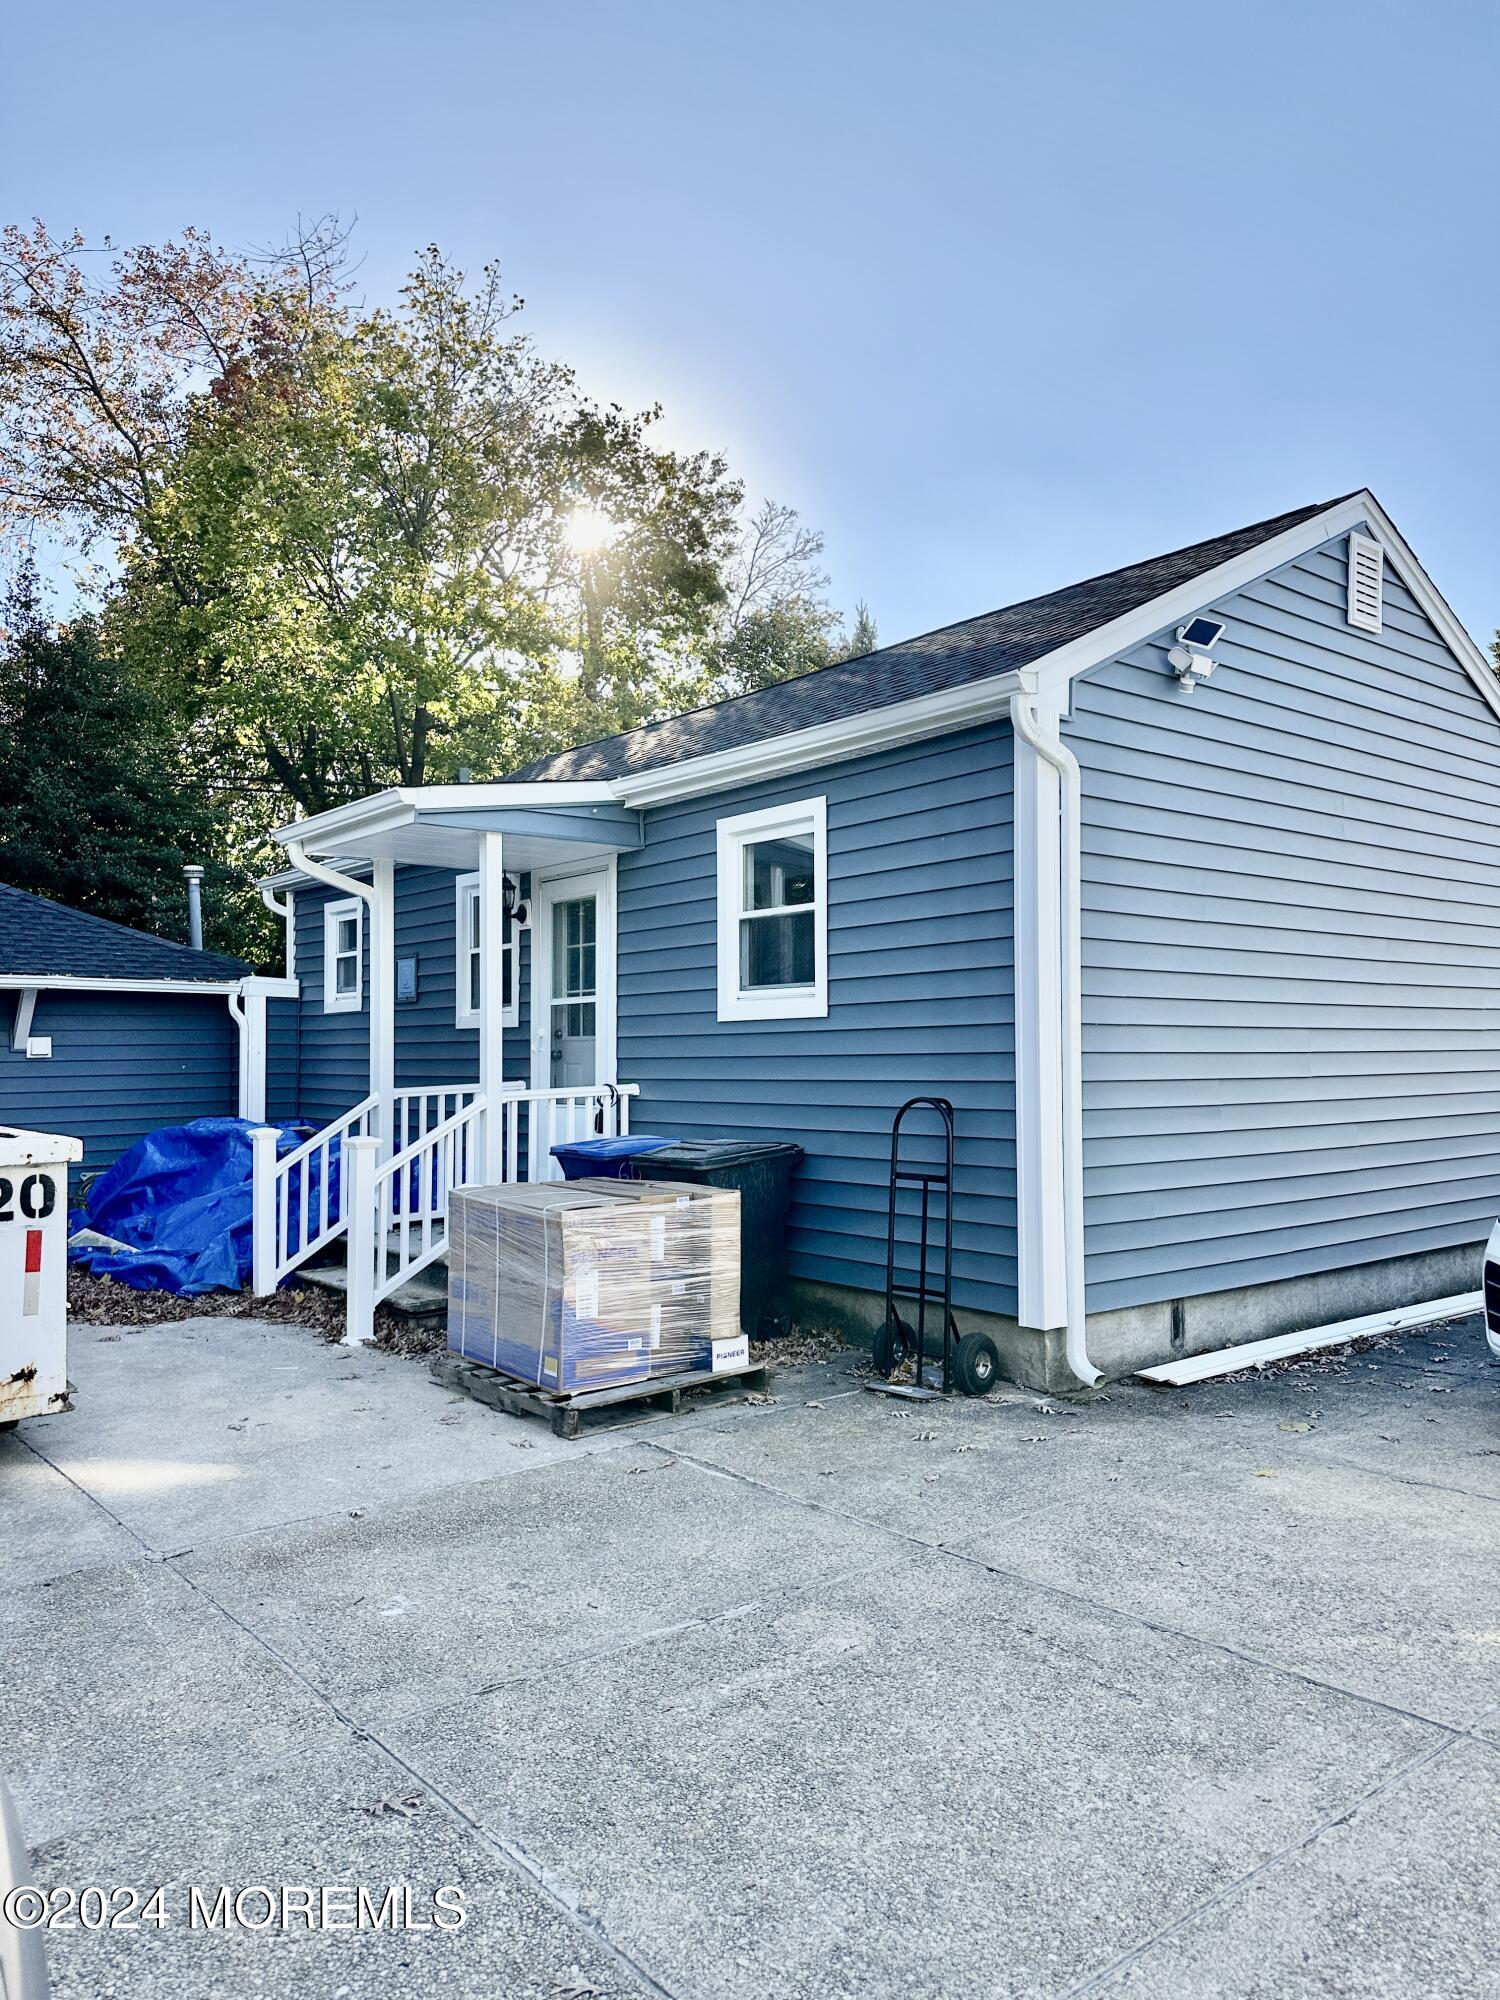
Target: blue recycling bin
(605,1159)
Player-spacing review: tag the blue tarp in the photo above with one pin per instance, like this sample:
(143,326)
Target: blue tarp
(180,1198)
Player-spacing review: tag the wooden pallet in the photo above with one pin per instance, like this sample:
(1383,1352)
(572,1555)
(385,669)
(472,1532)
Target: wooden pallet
(565,1409)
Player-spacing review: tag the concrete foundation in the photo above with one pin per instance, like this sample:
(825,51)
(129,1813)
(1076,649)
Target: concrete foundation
(1144,1336)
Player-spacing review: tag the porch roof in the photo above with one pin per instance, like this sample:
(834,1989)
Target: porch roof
(441,826)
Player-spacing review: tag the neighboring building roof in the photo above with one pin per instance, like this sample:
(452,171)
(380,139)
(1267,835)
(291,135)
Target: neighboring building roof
(975,650)
(40,939)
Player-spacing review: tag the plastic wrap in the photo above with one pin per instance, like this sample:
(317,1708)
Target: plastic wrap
(695,1271)
(594,1284)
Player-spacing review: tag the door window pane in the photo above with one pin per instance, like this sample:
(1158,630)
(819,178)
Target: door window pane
(574,948)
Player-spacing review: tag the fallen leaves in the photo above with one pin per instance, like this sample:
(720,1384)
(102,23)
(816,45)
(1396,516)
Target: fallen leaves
(406,1806)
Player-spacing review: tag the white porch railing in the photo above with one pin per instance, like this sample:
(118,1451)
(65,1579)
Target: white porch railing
(295,1211)
(298,1202)
(398,1208)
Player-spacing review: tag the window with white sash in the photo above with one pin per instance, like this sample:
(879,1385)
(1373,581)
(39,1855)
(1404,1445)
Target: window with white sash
(469,956)
(773,913)
(344,956)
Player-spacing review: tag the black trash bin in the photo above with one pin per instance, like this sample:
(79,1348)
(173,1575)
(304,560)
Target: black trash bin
(762,1171)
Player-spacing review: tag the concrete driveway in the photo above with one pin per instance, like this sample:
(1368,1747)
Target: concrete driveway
(1189,1693)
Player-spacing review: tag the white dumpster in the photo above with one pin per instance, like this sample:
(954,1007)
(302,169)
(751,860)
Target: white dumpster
(34,1272)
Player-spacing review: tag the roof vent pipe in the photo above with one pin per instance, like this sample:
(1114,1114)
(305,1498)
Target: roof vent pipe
(194,874)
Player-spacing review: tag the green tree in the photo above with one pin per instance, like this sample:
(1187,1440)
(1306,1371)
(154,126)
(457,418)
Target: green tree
(777,622)
(353,548)
(862,638)
(96,813)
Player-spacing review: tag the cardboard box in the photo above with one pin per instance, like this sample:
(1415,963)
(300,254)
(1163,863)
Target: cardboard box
(694,1242)
(550,1283)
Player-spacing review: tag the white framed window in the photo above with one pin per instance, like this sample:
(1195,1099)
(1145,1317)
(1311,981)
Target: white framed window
(469,956)
(773,913)
(344,956)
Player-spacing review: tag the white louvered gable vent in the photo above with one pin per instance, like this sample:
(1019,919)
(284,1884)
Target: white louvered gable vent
(1366,570)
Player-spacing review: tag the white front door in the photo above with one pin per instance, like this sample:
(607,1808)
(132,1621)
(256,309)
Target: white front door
(573,982)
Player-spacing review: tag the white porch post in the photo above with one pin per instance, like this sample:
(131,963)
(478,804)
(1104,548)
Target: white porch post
(253,1051)
(383,1000)
(1041,1278)
(360,1157)
(491,1004)
(263,1249)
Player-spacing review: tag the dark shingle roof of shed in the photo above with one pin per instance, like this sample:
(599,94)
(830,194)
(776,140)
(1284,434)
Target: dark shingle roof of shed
(48,940)
(975,650)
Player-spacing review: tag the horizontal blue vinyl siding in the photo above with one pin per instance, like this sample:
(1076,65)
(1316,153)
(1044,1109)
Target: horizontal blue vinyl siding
(430,1048)
(283,1057)
(333,1049)
(122,1064)
(1291,956)
(920,1000)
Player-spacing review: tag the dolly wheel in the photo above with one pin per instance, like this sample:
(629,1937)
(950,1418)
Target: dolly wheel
(893,1343)
(977,1364)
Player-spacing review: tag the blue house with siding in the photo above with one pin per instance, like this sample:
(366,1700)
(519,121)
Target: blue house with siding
(1179,883)
(108,1032)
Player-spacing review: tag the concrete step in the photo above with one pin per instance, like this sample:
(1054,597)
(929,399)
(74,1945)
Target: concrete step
(421,1296)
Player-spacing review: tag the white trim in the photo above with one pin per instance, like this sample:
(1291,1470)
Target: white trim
(547,889)
(733,836)
(397,807)
(856,735)
(1064,1089)
(1041,1266)
(20,1028)
(36,1048)
(932,714)
(334,914)
(1201,591)
(59,982)
(1366,595)
(491,1022)
(466,889)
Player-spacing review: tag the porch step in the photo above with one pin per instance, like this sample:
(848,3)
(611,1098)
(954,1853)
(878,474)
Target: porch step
(421,1297)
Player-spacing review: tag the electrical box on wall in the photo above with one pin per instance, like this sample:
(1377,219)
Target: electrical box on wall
(406,981)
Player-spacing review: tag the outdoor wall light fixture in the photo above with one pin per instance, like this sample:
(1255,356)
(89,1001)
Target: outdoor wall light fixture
(517,909)
(1191,659)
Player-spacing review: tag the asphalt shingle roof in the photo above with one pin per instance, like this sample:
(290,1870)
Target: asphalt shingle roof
(44,939)
(996,643)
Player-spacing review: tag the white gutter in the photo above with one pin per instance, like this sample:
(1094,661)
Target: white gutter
(1052,750)
(61,982)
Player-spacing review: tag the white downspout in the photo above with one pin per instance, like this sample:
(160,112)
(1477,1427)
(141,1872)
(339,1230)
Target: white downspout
(242,1043)
(375,895)
(286,910)
(1052,750)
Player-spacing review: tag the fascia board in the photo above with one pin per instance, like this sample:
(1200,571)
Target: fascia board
(60,982)
(827,743)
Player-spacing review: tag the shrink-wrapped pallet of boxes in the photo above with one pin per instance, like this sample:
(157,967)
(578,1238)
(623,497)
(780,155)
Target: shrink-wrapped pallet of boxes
(551,1283)
(694,1246)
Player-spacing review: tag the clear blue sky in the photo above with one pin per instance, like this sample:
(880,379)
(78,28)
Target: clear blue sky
(998,294)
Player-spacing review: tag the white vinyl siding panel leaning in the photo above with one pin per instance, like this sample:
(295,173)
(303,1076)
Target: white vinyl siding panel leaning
(1291,956)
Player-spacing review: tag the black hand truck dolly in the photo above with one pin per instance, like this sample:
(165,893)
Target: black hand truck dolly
(971,1362)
